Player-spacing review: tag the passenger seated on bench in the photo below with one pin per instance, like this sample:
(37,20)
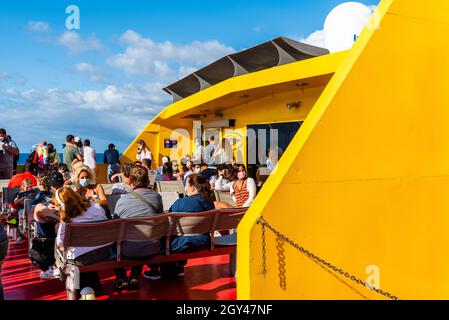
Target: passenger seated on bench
(167,173)
(46,216)
(199,199)
(141,202)
(44,195)
(27,191)
(74,209)
(87,188)
(222,181)
(244,189)
(123,186)
(164,161)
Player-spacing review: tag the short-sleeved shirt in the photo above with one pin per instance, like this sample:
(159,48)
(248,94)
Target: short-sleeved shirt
(6,159)
(69,154)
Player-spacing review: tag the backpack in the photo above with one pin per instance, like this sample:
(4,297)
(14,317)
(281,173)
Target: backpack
(42,252)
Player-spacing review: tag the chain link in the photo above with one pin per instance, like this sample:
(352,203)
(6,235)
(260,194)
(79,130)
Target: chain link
(264,252)
(281,261)
(281,237)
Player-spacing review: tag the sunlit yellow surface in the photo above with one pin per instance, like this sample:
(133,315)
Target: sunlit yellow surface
(365,181)
(364,184)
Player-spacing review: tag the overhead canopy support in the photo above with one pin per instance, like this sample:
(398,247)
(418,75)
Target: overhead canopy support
(270,54)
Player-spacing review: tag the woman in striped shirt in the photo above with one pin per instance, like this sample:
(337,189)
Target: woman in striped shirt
(243,190)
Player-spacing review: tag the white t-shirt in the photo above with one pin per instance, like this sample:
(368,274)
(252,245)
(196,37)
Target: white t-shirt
(94,213)
(144,154)
(90,157)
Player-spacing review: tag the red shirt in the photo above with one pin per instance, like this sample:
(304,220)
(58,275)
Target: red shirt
(16,181)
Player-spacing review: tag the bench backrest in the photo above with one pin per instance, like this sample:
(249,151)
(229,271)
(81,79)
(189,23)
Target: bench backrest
(168,198)
(170,186)
(4,183)
(224,196)
(150,228)
(107,188)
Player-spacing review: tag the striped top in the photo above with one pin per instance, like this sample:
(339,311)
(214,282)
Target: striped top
(242,194)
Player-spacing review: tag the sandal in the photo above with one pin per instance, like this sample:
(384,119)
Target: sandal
(120,285)
(133,284)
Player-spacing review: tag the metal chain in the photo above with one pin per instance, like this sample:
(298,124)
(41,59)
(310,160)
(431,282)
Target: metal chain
(316,258)
(264,253)
(281,261)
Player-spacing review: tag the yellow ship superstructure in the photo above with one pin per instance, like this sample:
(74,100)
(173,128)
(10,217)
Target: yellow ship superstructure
(360,195)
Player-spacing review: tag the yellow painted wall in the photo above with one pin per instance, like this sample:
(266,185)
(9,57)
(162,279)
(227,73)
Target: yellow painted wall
(269,109)
(366,180)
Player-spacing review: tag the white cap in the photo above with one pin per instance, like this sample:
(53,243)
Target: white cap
(77,139)
(164,159)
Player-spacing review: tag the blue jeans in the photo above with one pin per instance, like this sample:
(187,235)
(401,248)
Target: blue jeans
(113,169)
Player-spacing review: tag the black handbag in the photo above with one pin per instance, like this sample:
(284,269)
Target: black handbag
(42,252)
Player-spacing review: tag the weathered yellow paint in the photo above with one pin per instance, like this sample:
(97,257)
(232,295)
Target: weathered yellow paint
(366,179)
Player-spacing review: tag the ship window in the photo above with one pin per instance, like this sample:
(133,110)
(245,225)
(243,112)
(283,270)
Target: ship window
(262,137)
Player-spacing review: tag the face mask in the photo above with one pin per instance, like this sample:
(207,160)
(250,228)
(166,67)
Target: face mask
(197,170)
(175,168)
(28,189)
(241,175)
(2,139)
(84,182)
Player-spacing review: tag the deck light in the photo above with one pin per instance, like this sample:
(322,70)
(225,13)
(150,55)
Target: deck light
(293,105)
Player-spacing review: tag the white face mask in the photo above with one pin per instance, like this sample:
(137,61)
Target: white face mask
(2,139)
(197,170)
(84,182)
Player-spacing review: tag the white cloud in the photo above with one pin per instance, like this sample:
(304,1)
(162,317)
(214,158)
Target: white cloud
(112,114)
(315,39)
(11,78)
(165,59)
(38,26)
(92,72)
(75,43)
(318,37)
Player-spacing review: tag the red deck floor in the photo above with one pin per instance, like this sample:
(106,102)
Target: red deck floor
(205,279)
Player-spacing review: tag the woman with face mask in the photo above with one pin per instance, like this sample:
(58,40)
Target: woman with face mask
(74,209)
(143,152)
(243,190)
(87,188)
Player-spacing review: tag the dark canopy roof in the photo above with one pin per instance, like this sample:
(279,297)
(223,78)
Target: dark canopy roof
(266,55)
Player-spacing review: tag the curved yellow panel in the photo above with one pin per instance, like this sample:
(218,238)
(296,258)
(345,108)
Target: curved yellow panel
(365,183)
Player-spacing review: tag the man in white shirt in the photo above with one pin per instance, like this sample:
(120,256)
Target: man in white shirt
(90,156)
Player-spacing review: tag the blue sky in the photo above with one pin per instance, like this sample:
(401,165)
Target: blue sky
(104,81)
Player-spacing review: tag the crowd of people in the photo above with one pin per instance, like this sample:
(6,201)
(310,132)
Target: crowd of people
(67,192)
